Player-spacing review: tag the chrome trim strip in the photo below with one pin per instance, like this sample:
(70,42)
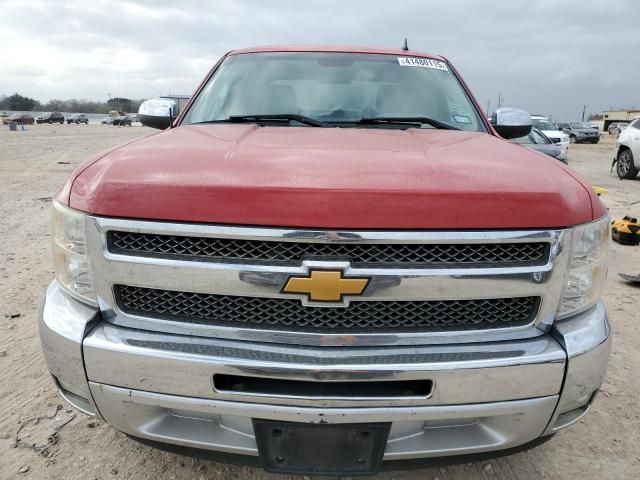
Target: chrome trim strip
(264,280)
(326,236)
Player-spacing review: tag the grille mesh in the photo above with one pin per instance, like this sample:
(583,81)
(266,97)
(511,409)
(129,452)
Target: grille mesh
(204,248)
(290,314)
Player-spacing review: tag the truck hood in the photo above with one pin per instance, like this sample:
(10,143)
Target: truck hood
(332,178)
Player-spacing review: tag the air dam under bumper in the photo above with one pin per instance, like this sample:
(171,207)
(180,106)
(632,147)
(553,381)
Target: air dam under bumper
(483,397)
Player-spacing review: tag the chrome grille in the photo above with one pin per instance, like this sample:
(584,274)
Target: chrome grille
(359,254)
(358,317)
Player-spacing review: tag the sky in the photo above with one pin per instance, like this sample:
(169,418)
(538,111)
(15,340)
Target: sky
(547,56)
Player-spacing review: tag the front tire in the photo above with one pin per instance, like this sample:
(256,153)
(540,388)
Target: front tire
(573,139)
(625,168)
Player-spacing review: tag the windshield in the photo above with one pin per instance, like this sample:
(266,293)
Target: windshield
(335,88)
(526,140)
(539,138)
(534,137)
(543,124)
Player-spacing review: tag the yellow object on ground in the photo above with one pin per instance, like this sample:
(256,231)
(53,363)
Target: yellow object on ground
(625,230)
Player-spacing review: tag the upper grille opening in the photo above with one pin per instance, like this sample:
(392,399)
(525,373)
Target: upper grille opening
(467,255)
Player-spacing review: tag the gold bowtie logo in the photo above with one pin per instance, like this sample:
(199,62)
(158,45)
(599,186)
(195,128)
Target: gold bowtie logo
(326,285)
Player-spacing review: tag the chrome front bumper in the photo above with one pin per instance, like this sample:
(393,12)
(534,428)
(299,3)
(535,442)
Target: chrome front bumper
(486,396)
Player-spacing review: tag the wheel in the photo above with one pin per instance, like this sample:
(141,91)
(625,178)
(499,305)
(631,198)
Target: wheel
(573,139)
(595,141)
(625,167)
(50,122)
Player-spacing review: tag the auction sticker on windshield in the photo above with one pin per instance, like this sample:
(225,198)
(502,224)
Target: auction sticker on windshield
(422,62)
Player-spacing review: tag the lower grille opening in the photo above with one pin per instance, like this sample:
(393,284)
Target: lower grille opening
(359,317)
(297,388)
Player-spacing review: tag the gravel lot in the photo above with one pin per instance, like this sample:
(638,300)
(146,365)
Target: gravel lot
(35,163)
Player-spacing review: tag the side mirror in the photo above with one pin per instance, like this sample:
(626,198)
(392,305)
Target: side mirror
(158,113)
(511,122)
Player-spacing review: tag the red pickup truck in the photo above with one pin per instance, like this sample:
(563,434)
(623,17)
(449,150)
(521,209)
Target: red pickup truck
(329,261)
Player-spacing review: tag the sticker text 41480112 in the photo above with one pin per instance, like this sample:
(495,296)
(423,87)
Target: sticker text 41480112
(422,62)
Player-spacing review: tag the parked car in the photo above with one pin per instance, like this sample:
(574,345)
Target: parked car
(22,119)
(107,121)
(329,259)
(122,120)
(628,151)
(538,141)
(53,117)
(579,132)
(78,118)
(548,128)
(616,128)
(593,125)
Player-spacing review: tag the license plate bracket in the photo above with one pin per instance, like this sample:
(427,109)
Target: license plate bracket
(320,449)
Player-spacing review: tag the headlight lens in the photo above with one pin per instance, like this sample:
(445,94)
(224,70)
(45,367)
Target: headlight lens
(70,253)
(588,267)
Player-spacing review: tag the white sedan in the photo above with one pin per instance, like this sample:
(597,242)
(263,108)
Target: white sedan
(557,136)
(628,151)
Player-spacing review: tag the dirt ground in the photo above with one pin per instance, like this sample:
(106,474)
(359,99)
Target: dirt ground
(35,163)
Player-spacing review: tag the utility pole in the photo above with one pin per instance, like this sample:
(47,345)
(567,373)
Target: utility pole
(488,107)
(499,100)
(584,109)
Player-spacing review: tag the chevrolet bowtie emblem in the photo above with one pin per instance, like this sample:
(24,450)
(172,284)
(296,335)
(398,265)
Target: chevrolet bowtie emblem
(325,285)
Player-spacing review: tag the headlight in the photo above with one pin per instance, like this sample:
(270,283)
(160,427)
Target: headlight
(70,253)
(588,267)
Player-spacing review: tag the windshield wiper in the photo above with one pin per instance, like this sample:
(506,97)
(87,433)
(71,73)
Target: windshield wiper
(416,120)
(276,117)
